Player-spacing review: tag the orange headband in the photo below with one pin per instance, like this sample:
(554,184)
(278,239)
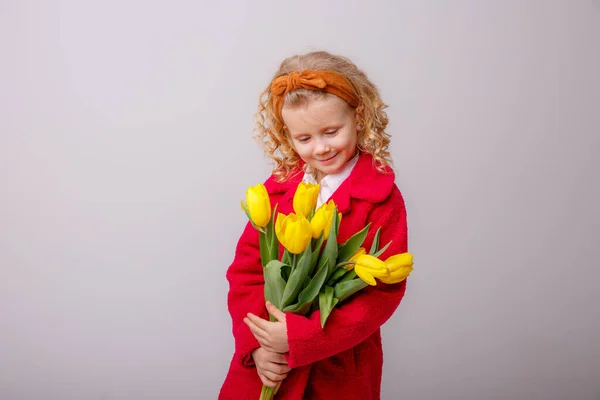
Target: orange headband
(326,81)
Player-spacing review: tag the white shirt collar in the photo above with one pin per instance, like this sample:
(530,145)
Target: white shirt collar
(330,183)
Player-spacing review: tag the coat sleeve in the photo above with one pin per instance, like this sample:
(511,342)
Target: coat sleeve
(362,314)
(246,293)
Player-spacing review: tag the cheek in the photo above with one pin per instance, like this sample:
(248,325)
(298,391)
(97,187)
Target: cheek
(349,141)
(297,146)
(303,150)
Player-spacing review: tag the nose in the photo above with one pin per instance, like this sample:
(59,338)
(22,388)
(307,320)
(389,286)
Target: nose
(322,147)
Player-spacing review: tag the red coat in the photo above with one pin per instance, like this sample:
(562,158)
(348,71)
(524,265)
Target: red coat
(344,360)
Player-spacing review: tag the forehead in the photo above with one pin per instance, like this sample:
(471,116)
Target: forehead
(316,114)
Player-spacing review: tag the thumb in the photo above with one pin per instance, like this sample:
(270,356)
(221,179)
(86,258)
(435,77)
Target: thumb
(274,311)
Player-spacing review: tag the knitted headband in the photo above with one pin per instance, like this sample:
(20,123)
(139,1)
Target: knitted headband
(326,81)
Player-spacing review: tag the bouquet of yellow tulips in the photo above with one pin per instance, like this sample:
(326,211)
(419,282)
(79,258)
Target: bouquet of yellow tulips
(315,272)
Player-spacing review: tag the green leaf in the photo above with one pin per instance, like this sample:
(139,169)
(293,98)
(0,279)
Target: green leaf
(311,291)
(326,303)
(336,222)
(274,283)
(338,273)
(353,244)
(265,256)
(317,244)
(314,307)
(296,280)
(315,254)
(285,272)
(345,289)
(287,257)
(307,297)
(330,252)
(375,244)
(380,252)
(272,237)
(348,276)
(298,308)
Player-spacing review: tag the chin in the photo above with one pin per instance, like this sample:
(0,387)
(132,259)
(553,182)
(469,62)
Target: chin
(333,170)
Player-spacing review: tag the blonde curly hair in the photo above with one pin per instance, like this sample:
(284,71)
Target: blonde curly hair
(371,118)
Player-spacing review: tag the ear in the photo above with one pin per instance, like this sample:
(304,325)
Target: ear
(359,127)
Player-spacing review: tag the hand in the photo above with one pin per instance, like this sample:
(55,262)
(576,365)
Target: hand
(272,336)
(271,367)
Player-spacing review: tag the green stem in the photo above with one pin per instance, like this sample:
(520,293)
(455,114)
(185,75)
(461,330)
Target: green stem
(339,271)
(267,393)
(294,262)
(344,263)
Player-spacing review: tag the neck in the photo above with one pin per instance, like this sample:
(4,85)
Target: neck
(319,176)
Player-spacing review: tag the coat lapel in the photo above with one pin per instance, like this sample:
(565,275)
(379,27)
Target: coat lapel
(364,183)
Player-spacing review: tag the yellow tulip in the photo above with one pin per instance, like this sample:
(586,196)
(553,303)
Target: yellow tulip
(258,205)
(321,221)
(357,253)
(293,231)
(369,267)
(305,198)
(399,266)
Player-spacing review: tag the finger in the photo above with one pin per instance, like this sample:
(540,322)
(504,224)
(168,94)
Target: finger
(256,334)
(284,369)
(266,381)
(274,311)
(278,369)
(266,346)
(273,377)
(258,321)
(263,344)
(277,358)
(256,330)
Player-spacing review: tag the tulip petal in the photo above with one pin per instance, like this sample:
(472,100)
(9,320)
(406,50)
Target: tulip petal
(294,233)
(322,220)
(258,205)
(317,223)
(399,260)
(374,265)
(305,198)
(292,236)
(397,276)
(279,223)
(364,275)
(358,253)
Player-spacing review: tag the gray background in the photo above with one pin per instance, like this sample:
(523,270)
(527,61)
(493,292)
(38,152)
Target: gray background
(125,147)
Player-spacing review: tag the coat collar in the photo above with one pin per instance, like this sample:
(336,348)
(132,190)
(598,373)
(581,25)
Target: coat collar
(364,183)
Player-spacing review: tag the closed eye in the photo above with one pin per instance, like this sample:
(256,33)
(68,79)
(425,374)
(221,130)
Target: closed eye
(331,132)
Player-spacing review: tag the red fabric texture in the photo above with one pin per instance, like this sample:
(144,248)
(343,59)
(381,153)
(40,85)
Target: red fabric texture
(344,360)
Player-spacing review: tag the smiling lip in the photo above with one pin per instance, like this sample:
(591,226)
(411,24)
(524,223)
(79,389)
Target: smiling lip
(328,159)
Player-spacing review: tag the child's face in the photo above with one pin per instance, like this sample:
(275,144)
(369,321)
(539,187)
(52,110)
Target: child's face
(323,132)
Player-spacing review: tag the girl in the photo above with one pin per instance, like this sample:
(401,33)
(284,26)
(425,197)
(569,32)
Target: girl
(321,120)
